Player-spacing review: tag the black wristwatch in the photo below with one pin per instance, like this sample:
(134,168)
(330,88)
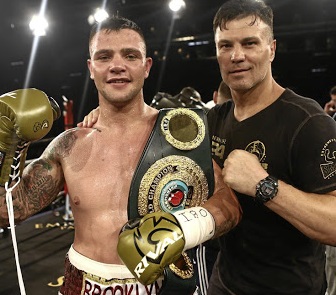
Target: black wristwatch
(267,189)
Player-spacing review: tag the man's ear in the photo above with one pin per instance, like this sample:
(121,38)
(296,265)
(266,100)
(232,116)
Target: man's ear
(273,49)
(90,67)
(148,65)
(215,96)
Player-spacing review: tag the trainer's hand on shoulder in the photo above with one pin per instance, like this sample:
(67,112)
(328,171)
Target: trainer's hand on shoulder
(242,171)
(90,119)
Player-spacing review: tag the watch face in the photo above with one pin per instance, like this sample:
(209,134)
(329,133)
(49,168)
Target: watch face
(267,188)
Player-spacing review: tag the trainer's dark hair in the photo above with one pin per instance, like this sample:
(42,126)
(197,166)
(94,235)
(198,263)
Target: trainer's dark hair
(238,9)
(116,23)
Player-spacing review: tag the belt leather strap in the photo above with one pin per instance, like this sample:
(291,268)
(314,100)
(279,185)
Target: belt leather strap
(174,172)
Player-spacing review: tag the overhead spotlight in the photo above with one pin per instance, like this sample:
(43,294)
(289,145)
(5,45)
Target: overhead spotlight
(99,16)
(38,25)
(176,5)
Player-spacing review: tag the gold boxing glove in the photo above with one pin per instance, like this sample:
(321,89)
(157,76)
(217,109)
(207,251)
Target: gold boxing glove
(26,115)
(149,244)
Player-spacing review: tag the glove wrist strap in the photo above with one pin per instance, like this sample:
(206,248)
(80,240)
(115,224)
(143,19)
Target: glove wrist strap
(197,225)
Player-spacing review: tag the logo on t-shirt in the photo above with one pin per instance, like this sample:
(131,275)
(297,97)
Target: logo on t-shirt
(328,168)
(258,148)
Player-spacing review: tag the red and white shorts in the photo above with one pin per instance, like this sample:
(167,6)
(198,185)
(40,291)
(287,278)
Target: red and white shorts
(84,276)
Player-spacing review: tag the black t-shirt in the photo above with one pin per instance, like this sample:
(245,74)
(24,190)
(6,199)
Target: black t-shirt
(295,141)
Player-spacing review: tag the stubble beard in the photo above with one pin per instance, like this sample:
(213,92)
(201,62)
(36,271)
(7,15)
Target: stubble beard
(119,99)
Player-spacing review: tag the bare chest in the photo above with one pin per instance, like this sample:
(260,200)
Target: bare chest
(99,171)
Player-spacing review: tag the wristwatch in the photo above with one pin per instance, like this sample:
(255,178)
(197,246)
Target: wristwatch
(267,189)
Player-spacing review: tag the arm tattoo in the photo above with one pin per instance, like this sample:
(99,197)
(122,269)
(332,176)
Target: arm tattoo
(42,181)
(37,190)
(228,212)
(40,187)
(64,146)
(224,227)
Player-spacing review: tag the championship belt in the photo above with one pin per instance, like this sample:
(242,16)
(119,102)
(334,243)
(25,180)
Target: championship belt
(174,172)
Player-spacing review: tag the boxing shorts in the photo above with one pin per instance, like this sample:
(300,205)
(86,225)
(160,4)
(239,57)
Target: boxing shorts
(84,276)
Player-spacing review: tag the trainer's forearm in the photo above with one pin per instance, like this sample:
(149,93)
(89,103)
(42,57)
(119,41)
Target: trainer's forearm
(312,214)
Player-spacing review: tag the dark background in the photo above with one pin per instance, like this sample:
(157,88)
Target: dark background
(305,60)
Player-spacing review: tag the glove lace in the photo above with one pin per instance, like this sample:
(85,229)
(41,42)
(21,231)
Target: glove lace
(10,209)
(15,176)
(15,167)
